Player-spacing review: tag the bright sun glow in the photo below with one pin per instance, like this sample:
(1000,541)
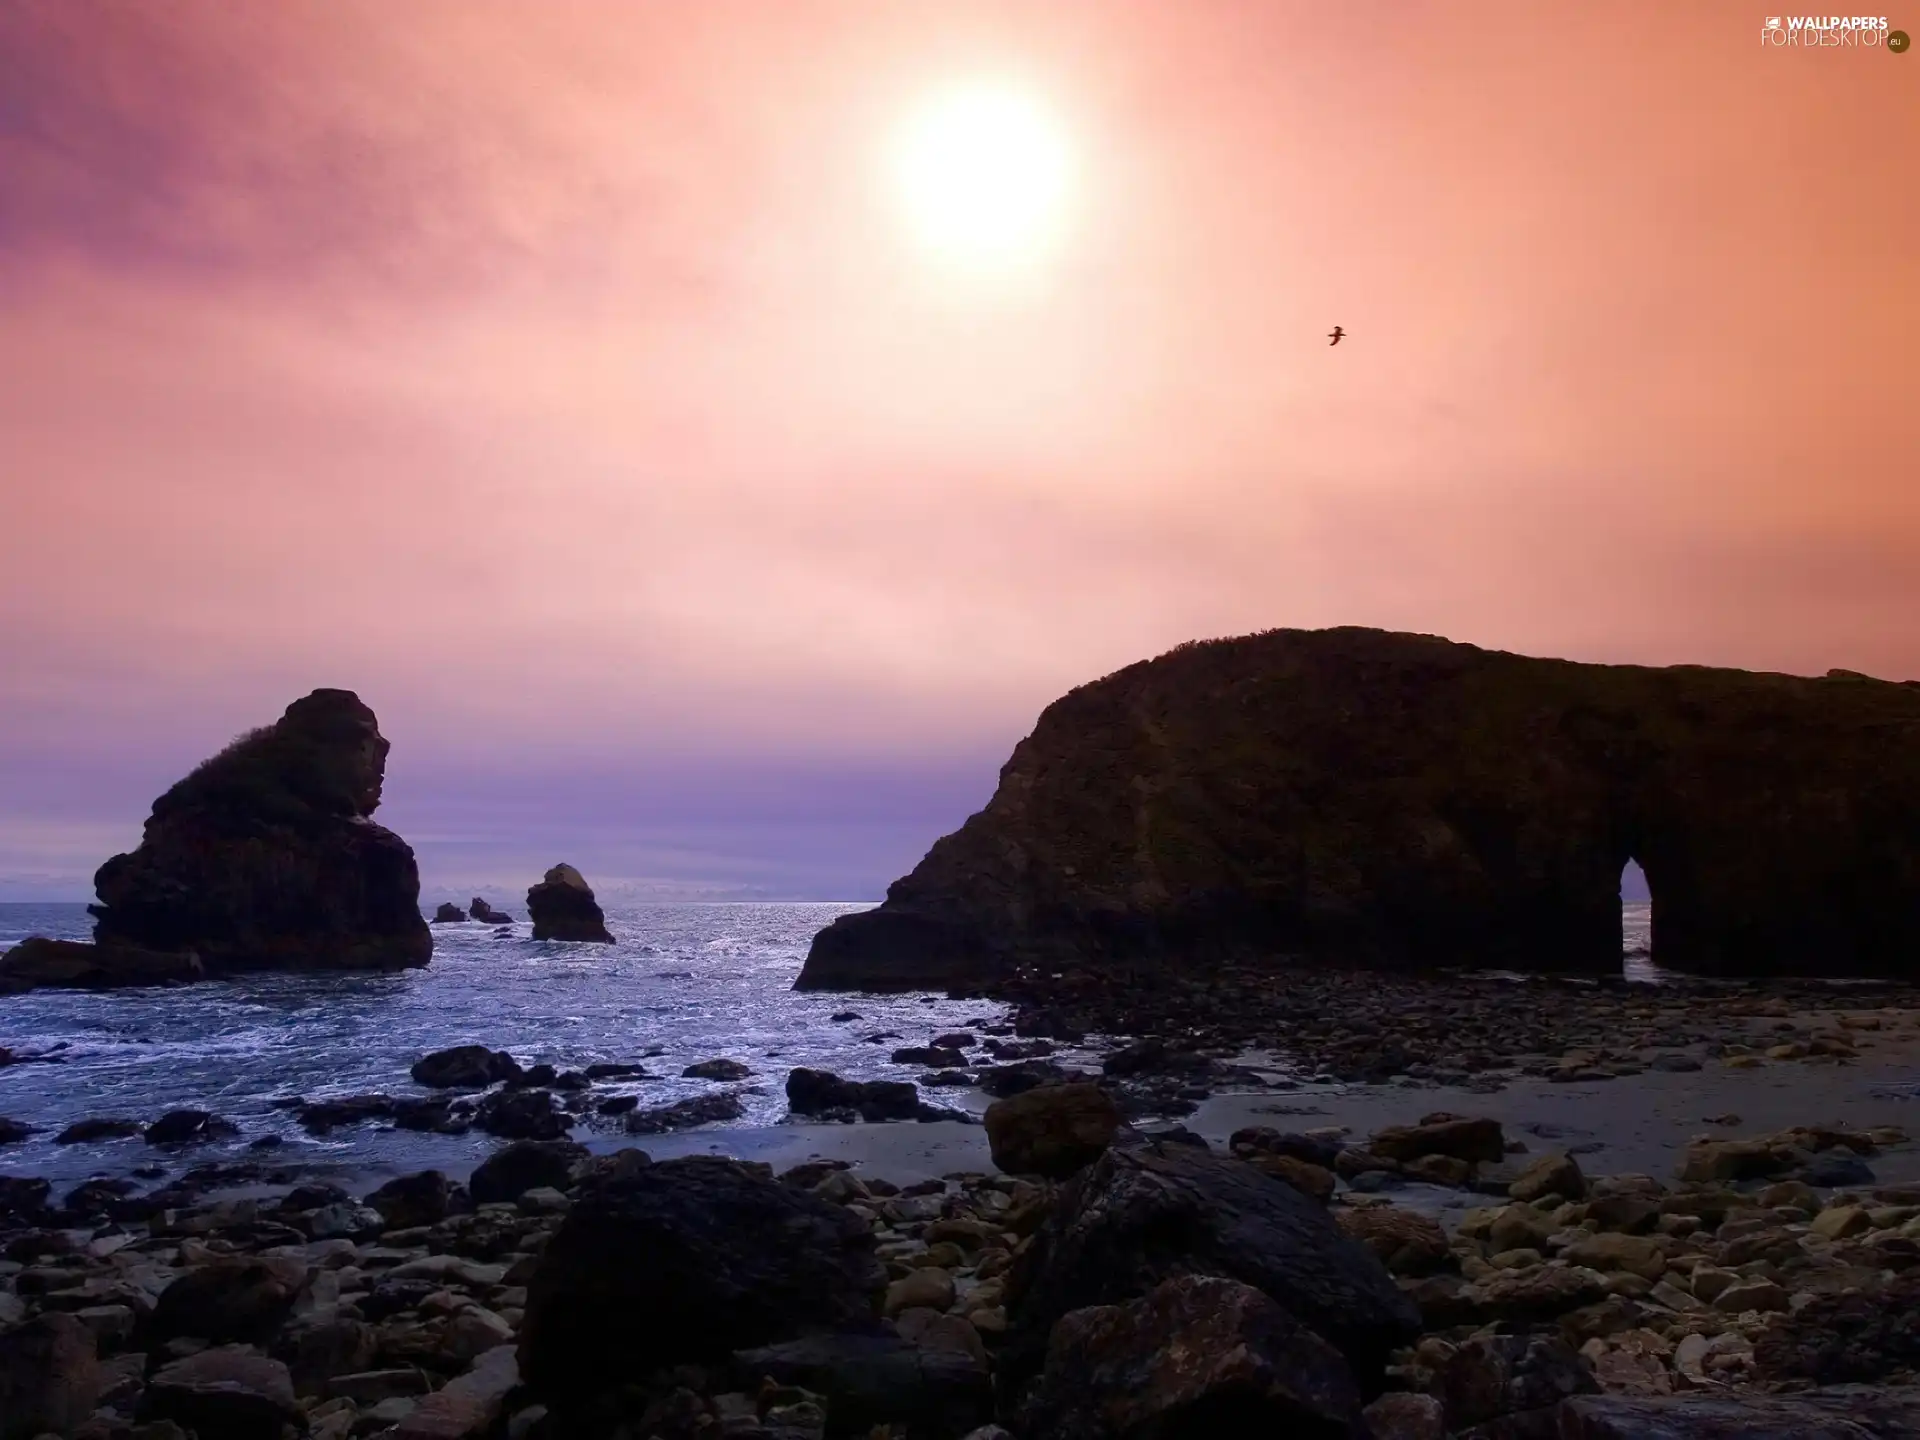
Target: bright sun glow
(983,172)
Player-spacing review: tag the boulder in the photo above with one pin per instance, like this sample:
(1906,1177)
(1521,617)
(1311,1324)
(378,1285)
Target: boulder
(1478,1141)
(424,1198)
(1517,1381)
(50,1379)
(85,1132)
(1146,1213)
(464,1067)
(230,1393)
(1053,1131)
(12,1132)
(820,1092)
(1720,1160)
(1480,806)
(716,1070)
(525,1165)
(1405,1241)
(487,915)
(231,1301)
(1549,1175)
(873,1380)
(468,1406)
(522,1115)
(449,914)
(1195,1355)
(266,857)
(1862,1336)
(188,1127)
(562,907)
(689,1260)
(685,1114)
(38,963)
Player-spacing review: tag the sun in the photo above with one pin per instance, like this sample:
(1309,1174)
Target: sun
(982,172)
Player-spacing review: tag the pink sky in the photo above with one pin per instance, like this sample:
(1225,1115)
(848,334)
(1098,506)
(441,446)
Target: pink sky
(562,379)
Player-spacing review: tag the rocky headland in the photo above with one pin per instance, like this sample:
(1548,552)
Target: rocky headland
(562,907)
(265,857)
(1358,797)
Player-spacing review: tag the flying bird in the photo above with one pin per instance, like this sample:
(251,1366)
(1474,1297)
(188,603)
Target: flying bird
(1336,333)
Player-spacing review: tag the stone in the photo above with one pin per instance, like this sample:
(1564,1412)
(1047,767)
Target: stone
(1303,1175)
(230,1393)
(423,1198)
(685,1114)
(1502,1378)
(1405,1241)
(1841,1222)
(449,914)
(1143,1214)
(86,1132)
(1052,1131)
(1312,1149)
(487,915)
(464,1067)
(820,1092)
(1639,1254)
(1755,1294)
(1523,1297)
(1405,1415)
(934,1056)
(468,1406)
(562,907)
(1549,1175)
(38,963)
(688,1260)
(50,1379)
(522,1115)
(513,1170)
(266,856)
(188,1127)
(1859,1337)
(241,1300)
(1468,1140)
(12,1132)
(876,1379)
(1839,1414)
(1712,1160)
(717,1070)
(1196,1354)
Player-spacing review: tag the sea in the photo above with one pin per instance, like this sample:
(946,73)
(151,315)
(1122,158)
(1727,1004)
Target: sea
(682,984)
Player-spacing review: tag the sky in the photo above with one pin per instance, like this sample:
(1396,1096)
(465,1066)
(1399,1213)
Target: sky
(572,382)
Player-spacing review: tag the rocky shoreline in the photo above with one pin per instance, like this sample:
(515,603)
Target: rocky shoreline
(559,1293)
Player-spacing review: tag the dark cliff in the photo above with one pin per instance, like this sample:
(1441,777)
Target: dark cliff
(265,858)
(1365,797)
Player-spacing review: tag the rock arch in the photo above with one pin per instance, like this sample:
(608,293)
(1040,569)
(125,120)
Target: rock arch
(1374,798)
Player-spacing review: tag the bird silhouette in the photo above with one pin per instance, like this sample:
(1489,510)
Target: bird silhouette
(1336,333)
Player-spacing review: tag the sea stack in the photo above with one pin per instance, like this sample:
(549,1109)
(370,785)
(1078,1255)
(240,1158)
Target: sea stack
(487,915)
(449,914)
(562,907)
(1359,797)
(266,856)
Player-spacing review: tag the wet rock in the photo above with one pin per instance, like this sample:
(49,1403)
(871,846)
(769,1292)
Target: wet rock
(522,1115)
(464,1067)
(23,1198)
(1194,1353)
(487,915)
(1517,1380)
(449,914)
(525,1165)
(1001,1081)
(562,907)
(1053,1131)
(685,1114)
(49,1377)
(230,1393)
(1143,1214)
(13,1131)
(1721,1160)
(325,1115)
(1828,1171)
(189,1127)
(933,1056)
(38,963)
(1405,1415)
(266,857)
(717,1070)
(1478,1140)
(243,1300)
(689,1260)
(822,1093)
(870,1380)
(1264,1140)
(86,1132)
(1306,1177)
